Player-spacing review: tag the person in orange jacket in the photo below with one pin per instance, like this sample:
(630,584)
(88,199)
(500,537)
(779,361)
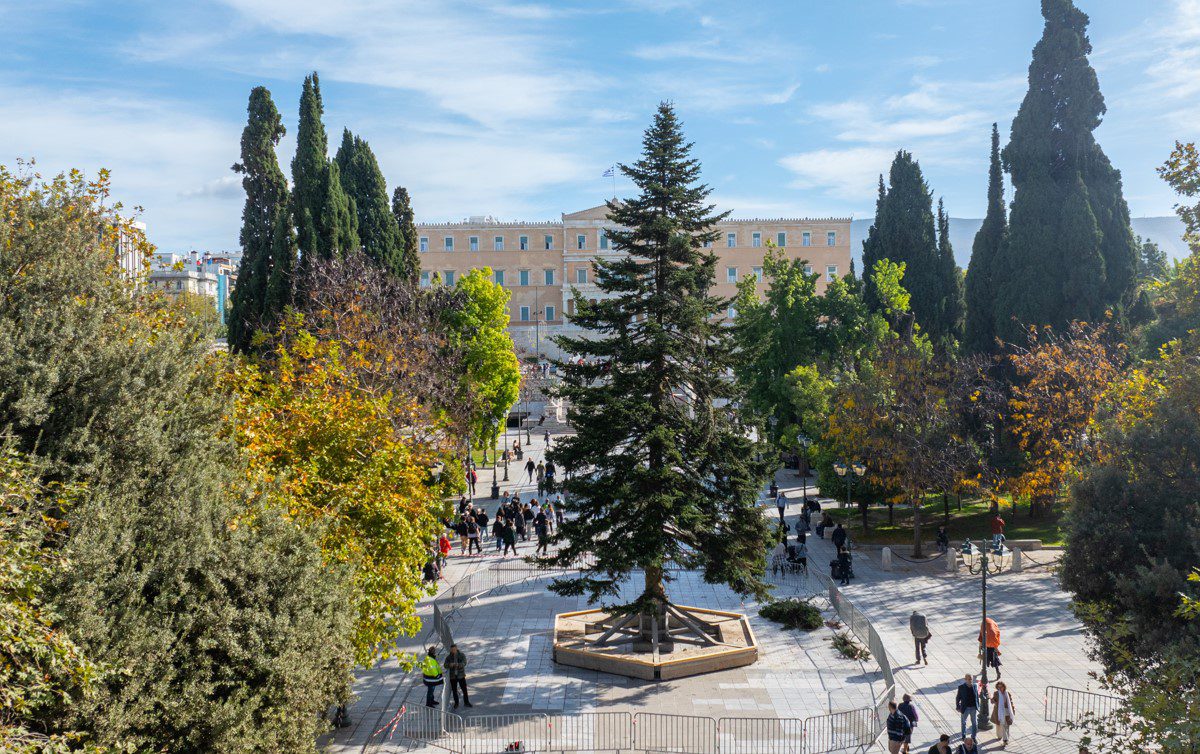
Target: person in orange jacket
(989,643)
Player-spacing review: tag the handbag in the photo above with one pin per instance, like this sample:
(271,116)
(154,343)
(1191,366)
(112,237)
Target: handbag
(995,715)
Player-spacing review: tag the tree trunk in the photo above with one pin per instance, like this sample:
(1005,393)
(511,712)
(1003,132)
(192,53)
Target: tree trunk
(917,551)
(946,508)
(862,507)
(891,514)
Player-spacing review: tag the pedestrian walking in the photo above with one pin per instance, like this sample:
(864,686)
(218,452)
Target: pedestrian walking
(919,628)
(444,548)
(509,538)
(966,701)
(456,669)
(473,536)
(997,530)
(838,537)
(845,565)
(498,528)
(530,467)
(781,505)
(431,675)
(472,478)
(908,708)
(989,644)
(942,746)
(899,729)
(542,525)
(526,524)
(1003,712)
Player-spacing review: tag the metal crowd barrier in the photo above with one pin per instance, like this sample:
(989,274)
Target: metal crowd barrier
(497,734)
(854,729)
(674,734)
(1065,706)
(591,732)
(762,735)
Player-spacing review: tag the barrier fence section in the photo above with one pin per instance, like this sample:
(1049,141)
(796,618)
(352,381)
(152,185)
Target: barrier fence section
(591,732)
(676,734)
(495,734)
(762,735)
(840,731)
(1065,707)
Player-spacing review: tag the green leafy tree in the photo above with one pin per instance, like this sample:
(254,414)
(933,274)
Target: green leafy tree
(980,334)
(281,284)
(1152,260)
(660,475)
(1069,254)
(492,375)
(378,231)
(310,170)
(409,240)
(904,232)
(215,623)
(266,202)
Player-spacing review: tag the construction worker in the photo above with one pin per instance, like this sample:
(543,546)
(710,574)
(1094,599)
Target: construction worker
(431,673)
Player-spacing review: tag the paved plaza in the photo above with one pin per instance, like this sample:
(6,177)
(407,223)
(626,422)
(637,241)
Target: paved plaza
(506,635)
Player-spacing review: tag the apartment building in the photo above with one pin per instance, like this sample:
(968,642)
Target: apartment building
(542,262)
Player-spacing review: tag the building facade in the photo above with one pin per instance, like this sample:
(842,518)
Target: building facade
(209,275)
(541,263)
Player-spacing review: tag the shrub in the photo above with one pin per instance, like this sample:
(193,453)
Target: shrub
(792,613)
(845,643)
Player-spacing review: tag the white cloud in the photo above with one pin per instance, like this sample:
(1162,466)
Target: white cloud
(700,49)
(847,174)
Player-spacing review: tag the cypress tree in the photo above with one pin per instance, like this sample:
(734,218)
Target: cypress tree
(1069,253)
(409,240)
(669,479)
(282,281)
(363,181)
(980,293)
(904,231)
(310,169)
(338,224)
(953,303)
(872,248)
(266,200)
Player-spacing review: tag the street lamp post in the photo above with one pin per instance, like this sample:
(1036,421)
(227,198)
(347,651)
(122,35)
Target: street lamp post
(852,471)
(976,559)
(804,443)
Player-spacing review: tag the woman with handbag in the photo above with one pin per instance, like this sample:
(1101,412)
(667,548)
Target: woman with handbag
(1003,711)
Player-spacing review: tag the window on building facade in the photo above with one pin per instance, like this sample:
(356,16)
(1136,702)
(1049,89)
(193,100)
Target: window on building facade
(550,313)
(473,243)
(498,243)
(498,277)
(580,241)
(731,274)
(808,269)
(448,277)
(830,271)
(424,243)
(581,275)
(781,240)
(731,240)
(756,240)
(806,238)
(523,242)
(523,277)
(524,313)
(449,243)
(731,312)
(549,242)
(758,274)
(603,240)
(548,276)
(831,238)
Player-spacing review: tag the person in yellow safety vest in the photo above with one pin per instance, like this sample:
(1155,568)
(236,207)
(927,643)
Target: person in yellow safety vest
(431,672)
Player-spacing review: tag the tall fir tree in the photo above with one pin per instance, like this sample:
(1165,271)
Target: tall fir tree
(980,288)
(1069,253)
(310,168)
(266,201)
(661,476)
(363,181)
(284,268)
(954,305)
(410,242)
(904,231)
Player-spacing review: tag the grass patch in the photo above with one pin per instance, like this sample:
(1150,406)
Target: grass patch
(792,613)
(973,521)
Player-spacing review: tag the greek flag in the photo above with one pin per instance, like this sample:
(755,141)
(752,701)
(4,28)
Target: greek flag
(609,173)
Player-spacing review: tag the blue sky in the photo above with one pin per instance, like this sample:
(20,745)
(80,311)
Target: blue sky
(514,108)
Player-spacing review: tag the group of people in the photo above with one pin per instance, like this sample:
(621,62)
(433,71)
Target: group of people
(903,718)
(544,472)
